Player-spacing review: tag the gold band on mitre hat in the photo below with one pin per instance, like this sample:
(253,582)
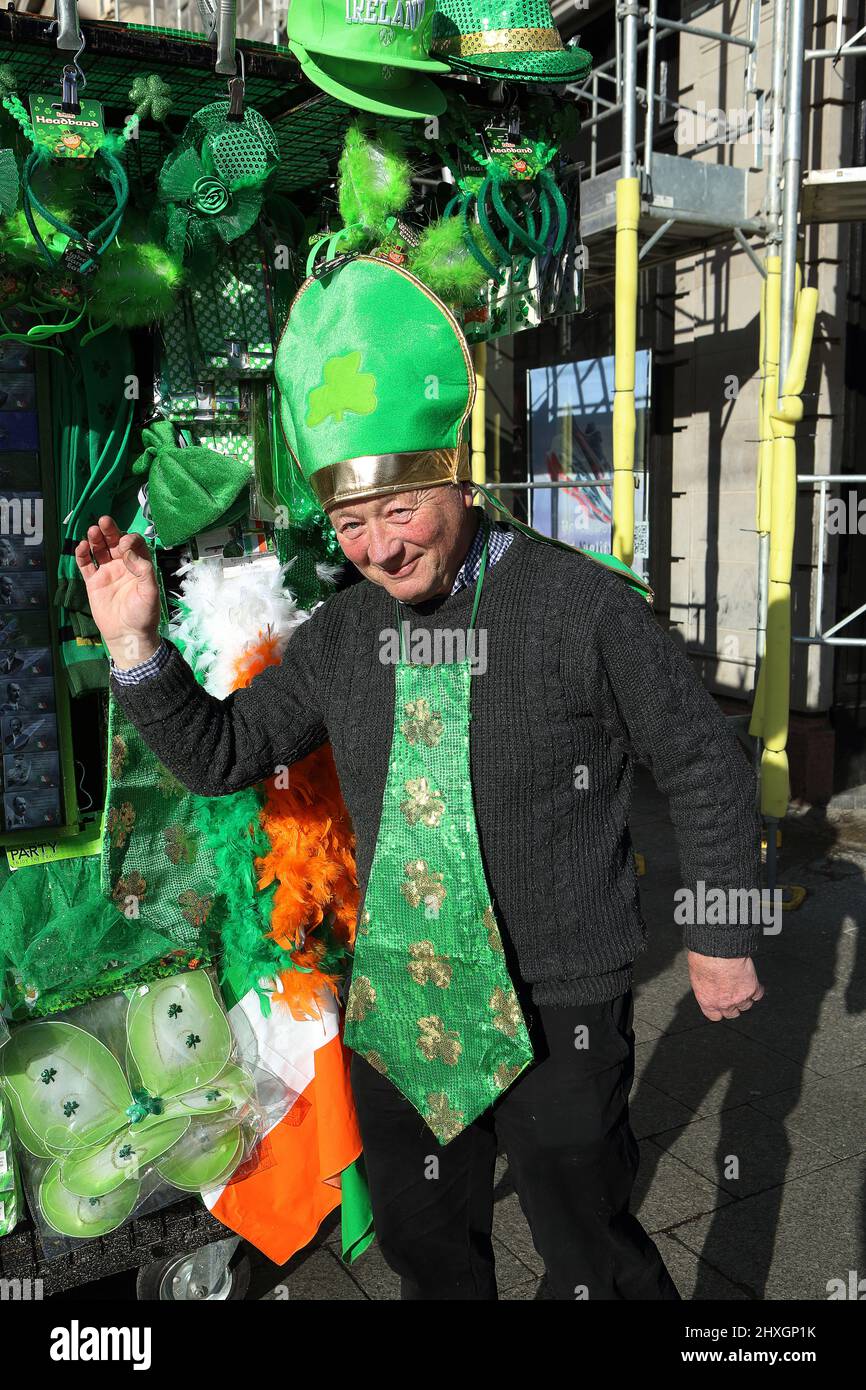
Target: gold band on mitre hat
(376,475)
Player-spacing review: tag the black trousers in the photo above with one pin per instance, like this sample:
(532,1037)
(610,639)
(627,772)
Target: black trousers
(571,1153)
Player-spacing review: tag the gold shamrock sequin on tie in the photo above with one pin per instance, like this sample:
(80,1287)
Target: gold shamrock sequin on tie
(421,803)
(422,725)
(438,1042)
(493,936)
(361,999)
(364,923)
(426,966)
(445,1123)
(424,885)
(504,1075)
(506,1011)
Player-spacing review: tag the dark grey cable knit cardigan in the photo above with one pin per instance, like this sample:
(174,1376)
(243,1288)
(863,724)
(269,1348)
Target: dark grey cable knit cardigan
(580,674)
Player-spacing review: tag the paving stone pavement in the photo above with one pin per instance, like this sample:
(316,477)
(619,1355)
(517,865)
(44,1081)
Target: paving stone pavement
(752,1131)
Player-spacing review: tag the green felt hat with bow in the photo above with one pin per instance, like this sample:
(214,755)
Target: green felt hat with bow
(190,487)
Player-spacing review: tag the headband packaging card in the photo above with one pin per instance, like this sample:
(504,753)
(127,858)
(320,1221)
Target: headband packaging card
(65,135)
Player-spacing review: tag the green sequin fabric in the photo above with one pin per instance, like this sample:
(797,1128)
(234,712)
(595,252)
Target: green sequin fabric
(63,942)
(431,1004)
(155,866)
(226,304)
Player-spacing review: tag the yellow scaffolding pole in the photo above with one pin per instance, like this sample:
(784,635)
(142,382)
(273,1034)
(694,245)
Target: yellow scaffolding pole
(478,427)
(625,343)
(776,503)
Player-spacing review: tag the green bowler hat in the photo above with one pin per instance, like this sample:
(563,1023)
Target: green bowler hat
(376,384)
(515,40)
(372,54)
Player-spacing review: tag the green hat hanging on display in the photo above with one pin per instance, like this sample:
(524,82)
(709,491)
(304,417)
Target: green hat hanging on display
(373,54)
(512,40)
(191,488)
(212,185)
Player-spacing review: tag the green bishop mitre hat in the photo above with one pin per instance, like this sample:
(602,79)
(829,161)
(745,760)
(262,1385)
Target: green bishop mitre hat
(373,54)
(376,383)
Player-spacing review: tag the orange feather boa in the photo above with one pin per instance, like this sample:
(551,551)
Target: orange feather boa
(311,860)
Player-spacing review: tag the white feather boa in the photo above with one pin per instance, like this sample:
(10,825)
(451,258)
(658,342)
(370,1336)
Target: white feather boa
(226,611)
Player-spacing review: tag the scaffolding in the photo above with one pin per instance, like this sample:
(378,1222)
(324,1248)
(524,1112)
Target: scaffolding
(659,207)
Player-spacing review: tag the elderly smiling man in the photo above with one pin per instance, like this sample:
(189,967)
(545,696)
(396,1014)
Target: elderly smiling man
(490,1002)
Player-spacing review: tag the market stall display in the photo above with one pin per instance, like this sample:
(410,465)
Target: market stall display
(171,983)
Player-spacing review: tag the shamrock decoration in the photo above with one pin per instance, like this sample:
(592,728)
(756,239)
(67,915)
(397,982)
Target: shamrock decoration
(493,937)
(119,754)
(120,824)
(425,966)
(436,1041)
(151,97)
(345,388)
(444,1121)
(421,725)
(167,783)
(424,885)
(506,1011)
(422,803)
(212,184)
(166,1109)
(361,999)
(180,846)
(194,908)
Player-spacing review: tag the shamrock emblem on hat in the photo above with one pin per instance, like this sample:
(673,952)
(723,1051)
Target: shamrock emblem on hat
(345,388)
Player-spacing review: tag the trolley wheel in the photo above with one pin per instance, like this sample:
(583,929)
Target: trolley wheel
(208,1275)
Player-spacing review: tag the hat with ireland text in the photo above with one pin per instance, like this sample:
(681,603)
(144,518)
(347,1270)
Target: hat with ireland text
(373,54)
(376,384)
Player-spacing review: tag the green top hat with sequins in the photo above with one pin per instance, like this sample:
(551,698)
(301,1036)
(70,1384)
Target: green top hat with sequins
(514,40)
(373,54)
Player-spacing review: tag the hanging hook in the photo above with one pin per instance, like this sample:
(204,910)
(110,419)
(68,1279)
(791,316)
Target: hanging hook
(66,21)
(237,87)
(226,37)
(72,80)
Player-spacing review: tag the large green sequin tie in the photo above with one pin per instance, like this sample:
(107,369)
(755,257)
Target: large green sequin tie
(431,1004)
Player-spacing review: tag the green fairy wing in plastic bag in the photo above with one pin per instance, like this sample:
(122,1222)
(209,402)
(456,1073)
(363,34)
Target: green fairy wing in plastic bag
(176,1109)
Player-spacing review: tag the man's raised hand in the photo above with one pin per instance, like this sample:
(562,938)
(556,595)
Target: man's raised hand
(122,591)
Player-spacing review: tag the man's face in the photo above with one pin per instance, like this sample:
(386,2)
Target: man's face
(412,543)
